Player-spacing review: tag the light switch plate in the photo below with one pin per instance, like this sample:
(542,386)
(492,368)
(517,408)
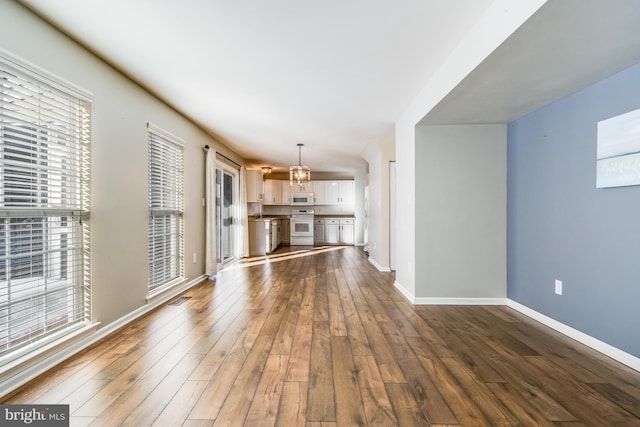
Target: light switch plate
(559,287)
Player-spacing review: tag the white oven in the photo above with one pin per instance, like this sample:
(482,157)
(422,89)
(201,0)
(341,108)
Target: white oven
(301,227)
(302,199)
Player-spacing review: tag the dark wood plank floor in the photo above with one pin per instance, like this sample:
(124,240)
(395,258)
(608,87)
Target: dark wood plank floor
(325,340)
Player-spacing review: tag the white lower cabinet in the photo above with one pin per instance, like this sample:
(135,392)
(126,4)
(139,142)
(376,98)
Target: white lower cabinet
(347,232)
(332,231)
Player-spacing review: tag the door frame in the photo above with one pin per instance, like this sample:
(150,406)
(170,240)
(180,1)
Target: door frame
(235,214)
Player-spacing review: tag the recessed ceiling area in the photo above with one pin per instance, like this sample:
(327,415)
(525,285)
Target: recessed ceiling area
(565,46)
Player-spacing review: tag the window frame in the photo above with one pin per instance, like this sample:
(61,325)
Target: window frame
(45,141)
(166,210)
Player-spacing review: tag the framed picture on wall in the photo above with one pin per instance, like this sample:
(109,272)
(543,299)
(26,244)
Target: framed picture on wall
(618,153)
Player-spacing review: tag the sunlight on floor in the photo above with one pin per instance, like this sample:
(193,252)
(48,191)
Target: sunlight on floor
(248,262)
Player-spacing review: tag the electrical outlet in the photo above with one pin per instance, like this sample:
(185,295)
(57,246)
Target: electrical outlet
(558,287)
(194,258)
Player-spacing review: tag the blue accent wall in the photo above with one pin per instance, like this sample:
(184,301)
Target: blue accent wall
(559,226)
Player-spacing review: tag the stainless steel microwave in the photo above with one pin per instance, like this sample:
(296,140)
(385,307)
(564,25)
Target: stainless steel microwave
(301,199)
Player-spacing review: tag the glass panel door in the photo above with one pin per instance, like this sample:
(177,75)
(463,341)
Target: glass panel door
(226,208)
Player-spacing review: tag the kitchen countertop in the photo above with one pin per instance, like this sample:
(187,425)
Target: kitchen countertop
(268,217)
(323,216)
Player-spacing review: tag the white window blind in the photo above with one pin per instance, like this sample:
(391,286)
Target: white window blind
(166,260)
(44,208)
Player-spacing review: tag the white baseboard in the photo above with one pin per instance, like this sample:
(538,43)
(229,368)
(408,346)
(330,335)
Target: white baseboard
(604,348)
(33,367)
(446,301)
(405,292)
(378,266)
(459,301)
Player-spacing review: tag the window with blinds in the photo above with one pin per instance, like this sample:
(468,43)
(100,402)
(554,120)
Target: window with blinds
(44,208)
(166,253)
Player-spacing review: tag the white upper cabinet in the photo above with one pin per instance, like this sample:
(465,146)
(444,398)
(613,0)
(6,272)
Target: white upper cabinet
(319,193)
(338,193)
(255,189)
(273,192)
(347,192)
(286,192)
(278,192)
(331,193)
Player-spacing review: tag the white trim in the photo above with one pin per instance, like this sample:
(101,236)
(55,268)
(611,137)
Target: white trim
(604,348)
(30,369)
(169,288)
(39,73)
(459,301)
(405,292)
(52,342)
(378,266)
(446,301)
(165,134)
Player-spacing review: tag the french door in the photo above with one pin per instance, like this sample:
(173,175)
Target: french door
(226,214)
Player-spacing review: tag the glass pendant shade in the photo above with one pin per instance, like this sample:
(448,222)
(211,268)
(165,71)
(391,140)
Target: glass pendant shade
(299,174)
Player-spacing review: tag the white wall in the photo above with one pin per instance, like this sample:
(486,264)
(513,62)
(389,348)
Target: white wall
(121,110)
(501,19)
(378,156)
(359,178)
(461,173)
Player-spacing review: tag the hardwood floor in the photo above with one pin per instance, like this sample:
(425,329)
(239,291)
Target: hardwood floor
(323,339)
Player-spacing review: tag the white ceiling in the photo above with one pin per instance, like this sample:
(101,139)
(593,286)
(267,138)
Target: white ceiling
(263,76)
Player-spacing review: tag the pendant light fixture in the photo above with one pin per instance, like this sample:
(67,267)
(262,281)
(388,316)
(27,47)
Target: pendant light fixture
(299,174)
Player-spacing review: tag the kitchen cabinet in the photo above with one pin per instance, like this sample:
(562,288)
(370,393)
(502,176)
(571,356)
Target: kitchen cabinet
(347,192)
(331,193)
(318,193)
(272,192)
(255,186)
(277,192)
(318,231)
(335,193)
(347,231)
(332,231)
(339,231)
(286,192)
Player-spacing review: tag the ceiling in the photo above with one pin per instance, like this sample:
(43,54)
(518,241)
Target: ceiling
(335,75)
(263,76)
(564,47)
